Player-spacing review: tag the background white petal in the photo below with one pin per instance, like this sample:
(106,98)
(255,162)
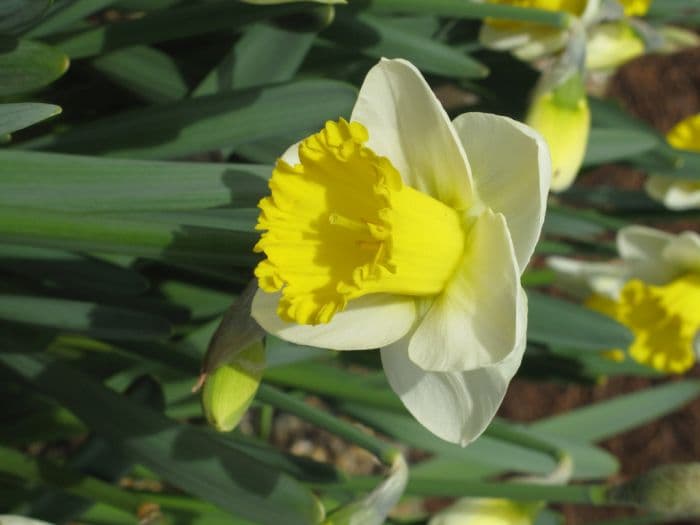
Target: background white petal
(683,252)
(675,194)
(368,322)
(455,406)
(408,125)
(475,321)
(582,278)
(512,172)
(642,250)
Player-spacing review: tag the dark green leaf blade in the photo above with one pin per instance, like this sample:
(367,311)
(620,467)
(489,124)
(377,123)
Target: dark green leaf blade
(561,323)
(209,122)
(26,65)
(14,117)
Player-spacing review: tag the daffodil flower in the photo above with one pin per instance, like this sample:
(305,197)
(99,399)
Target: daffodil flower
(487,511)
(529,40)
(404,231)
(675,193)
(654,290)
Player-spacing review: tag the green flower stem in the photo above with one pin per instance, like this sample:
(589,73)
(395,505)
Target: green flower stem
(580,494)
(470,9)
(266,414)
(278,399)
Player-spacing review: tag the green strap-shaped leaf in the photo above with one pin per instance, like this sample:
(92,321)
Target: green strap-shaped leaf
(377,38)
(561,323)
(70,271)
(487,452)
(168,24)
(149,73)
(26,65)
(265,54)
(93,233)
(210,122)
(610,144)
(17,15)
(185,456)
(93,184)
(78,316)
(14,117)
(62,15)
(608,418)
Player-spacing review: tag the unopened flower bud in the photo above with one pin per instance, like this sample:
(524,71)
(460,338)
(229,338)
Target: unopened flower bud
(563,118)
(229,390)
(670,490)
(233,365)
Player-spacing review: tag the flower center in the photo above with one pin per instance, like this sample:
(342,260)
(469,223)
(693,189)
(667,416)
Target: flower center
(664,319)
(341,224)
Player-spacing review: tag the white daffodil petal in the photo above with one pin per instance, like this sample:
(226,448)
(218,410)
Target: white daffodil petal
(581,278)
(642,250)
(641,242)
(542,45)
(675,194)
(502,39)
(368,322)
(501,179)
(455,406)
(683,252)
(408,125)
(475,321)
(291,154)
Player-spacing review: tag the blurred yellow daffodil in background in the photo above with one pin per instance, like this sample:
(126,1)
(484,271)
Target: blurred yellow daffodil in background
(487,511)
(654,290)
(675,193)
(404,231)
(528,40)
